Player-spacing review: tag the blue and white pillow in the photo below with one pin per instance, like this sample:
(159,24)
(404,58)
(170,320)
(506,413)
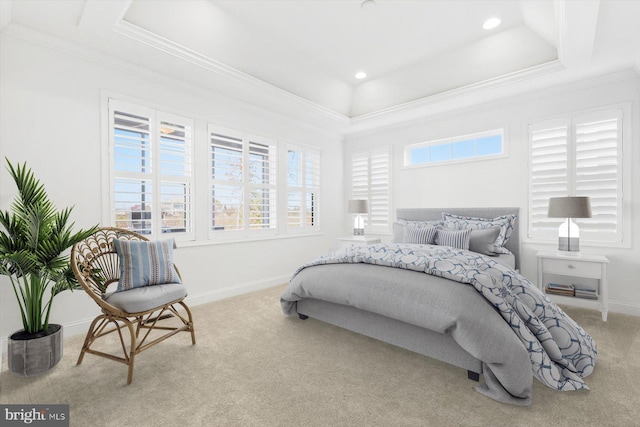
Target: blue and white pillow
(456,238)
(145,263)
(419,235)
(505,222)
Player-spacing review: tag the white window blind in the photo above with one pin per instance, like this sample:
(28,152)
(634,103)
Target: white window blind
(598,172)
(151,170)
(578,156)
(262,186)
(549,172)
(243,182)
(303,189)
(371,180)
(227,187)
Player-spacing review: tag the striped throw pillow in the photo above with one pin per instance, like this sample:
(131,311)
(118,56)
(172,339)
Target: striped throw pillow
(457,238)
(419,235)
(145,263)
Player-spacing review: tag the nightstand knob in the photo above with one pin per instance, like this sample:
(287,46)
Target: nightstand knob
(570,266)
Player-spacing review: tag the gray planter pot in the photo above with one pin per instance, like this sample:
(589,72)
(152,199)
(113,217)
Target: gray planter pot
(35,356)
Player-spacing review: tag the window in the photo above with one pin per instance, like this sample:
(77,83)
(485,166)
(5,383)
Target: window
(151,170)
(243,183)
(370,180)
(580,155)
(250,189)
(303,189)
(477,146)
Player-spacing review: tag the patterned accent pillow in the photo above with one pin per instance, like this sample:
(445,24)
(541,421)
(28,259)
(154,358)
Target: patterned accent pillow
(419,235)
(505,222)
(399,225)
(144,263)
(455,238)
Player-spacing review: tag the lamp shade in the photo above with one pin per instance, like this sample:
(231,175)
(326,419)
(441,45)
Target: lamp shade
(358,206)
(569,207)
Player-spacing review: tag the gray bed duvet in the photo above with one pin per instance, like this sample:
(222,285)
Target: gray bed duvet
(366,279)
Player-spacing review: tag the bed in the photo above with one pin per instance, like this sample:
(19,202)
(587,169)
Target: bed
(437,314)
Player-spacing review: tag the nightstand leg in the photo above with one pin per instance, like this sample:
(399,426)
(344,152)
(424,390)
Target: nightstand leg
(604,293)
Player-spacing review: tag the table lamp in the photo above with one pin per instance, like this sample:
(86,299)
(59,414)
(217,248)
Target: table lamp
(569,208)
(358,207)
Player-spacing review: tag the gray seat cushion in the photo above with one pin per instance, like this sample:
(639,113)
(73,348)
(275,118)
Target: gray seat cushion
(146,298)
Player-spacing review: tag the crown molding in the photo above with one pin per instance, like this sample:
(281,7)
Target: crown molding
(472,94)
(259,95)
(305,116)
(179,51)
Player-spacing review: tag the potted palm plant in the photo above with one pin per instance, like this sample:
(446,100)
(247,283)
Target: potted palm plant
(34,238)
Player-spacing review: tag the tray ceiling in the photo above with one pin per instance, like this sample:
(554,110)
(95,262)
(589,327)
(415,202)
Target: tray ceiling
(311,50)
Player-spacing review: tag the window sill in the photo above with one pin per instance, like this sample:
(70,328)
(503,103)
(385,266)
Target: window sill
(196,243)
(583,244)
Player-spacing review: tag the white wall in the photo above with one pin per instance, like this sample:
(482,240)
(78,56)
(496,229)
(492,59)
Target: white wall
(504,182)
(50,117)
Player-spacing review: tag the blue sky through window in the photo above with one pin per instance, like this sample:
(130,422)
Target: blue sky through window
(467,147)
(419,155)
(440,153)
(489,145)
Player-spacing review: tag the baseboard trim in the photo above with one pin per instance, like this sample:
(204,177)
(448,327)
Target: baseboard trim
(623,308)
(82,326)
(230,291)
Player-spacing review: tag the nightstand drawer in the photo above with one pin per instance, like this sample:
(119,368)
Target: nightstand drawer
(573,268)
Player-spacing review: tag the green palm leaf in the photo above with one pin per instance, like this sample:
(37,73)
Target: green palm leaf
(34,240)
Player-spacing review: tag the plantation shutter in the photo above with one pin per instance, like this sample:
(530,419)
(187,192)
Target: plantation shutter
(151,169)
(548,173)
(132,168)
(303,188)
(262,186)
(175,171)
(312,187)
(578,156)
(379,200)
(598,173)
(227,188)
(370,180)
(360,177)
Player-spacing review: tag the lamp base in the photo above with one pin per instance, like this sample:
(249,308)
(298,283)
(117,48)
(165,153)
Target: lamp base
(569,244)
(358,231)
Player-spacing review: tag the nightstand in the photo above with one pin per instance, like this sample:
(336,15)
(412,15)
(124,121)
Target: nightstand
(346,242)
(586,275)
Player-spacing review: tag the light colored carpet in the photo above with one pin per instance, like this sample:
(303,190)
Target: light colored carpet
(252,366)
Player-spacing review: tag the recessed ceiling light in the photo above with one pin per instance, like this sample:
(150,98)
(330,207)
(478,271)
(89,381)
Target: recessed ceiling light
(491,23)
(361,75)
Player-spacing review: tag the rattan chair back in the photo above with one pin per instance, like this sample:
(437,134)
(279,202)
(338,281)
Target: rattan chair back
(96,264)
